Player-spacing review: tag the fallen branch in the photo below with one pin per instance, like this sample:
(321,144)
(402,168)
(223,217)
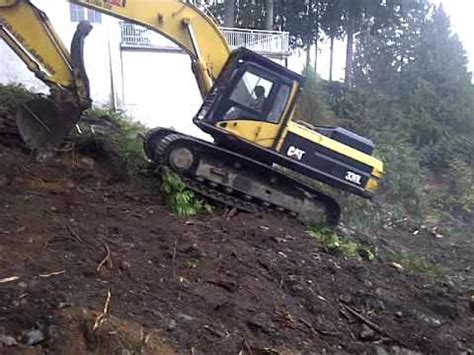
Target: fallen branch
(363,319)
(56,273)
(247,345)
(214,331)
(316,331)
(102,316)
(107,259)
(9,279)
(173,258)
(74,234)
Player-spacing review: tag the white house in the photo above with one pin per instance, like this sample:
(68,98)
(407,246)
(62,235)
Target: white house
(135,69)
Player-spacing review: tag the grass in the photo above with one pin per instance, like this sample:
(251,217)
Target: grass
(335,244)
(415,264)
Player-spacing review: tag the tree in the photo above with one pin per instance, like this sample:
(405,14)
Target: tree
(356,14)
(229,13)
(269,15)
(437,84)
(331,22)
(383,53)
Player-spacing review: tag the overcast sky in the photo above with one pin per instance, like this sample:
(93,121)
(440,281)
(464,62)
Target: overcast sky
(461,13)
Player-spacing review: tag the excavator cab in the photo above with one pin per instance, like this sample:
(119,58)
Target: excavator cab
(252,99)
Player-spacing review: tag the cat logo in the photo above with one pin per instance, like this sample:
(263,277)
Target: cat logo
(294,152)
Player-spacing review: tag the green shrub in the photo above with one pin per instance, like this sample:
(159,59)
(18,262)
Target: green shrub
(179,198)
(125,136)
(458,193)
(12,96)
(333,243)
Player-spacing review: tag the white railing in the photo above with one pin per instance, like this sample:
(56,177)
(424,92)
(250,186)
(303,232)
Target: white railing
(265,42)
(271,42)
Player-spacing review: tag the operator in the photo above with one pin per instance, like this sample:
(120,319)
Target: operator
(257,104)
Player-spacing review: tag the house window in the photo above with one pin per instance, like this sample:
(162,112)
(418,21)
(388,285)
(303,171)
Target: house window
(94,16)
(79,13)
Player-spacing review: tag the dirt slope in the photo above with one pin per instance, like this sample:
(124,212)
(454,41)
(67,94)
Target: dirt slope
(204,285)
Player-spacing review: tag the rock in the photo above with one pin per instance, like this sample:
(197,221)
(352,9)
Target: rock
(172,324)
(184,317)
(379,350)
(396,350)
(34,337)
(7,340)
(345,298)
(62,305)
(399,314)
(430,320)
(367,333)
(88,162)
(396,266)
(125,265)
(296,289)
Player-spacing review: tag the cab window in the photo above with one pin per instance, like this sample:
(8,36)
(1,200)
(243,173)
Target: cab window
(256,97)
(252,91)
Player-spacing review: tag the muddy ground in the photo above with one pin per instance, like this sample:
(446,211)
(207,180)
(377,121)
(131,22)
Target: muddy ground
(91,264)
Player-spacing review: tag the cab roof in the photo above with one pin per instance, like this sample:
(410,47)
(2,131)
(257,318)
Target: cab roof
(250,56)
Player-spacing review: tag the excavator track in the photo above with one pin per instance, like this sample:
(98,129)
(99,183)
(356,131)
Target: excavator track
(236,180)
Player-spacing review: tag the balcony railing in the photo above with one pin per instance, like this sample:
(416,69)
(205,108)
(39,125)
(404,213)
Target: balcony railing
(264,42)
(269,42)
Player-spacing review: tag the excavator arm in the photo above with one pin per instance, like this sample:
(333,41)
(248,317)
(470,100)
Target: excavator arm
(43,123)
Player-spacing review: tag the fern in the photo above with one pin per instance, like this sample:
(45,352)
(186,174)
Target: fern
(179,198)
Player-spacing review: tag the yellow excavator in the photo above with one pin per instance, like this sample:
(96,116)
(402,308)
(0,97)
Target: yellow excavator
(260,158)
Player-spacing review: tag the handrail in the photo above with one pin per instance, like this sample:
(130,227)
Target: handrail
(271,42)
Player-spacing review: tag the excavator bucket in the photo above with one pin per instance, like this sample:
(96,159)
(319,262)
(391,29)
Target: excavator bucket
(43,124)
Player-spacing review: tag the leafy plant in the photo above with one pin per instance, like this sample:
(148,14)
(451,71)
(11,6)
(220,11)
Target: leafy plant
(179,198)
(12,96)
(333,243)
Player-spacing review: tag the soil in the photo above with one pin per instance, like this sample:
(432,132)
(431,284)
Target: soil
(85,246)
